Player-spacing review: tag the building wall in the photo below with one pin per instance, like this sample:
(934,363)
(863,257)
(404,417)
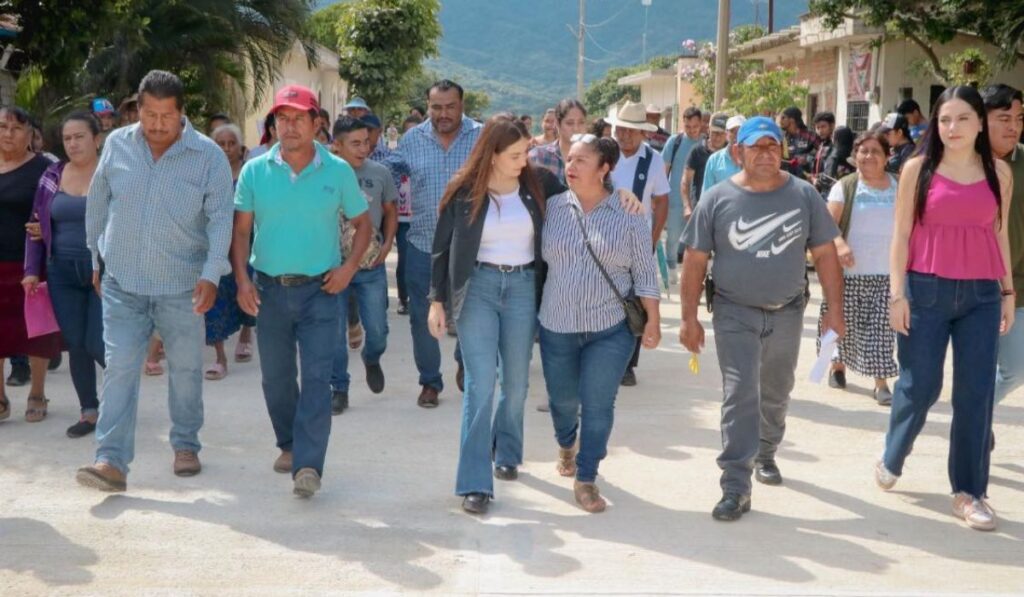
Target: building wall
(662,92)
(817,70)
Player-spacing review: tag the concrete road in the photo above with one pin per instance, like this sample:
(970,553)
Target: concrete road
(387,521)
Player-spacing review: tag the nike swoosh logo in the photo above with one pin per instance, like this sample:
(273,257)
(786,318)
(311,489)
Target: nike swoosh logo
(778,249)
(758,230)
(786,228)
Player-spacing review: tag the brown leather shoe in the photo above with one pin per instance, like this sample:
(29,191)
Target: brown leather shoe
(283,464)
(566,465)
(102,476)
(588,497)
(186,463)
(428,397)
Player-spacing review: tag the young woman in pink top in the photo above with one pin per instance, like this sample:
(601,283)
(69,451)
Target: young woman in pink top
(949,280)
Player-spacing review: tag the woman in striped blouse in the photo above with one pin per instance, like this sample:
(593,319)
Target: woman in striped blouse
(584,340)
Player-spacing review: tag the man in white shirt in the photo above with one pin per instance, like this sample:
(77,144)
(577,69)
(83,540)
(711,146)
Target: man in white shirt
(641,169)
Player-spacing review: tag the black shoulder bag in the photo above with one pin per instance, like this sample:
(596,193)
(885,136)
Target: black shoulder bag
(636,315)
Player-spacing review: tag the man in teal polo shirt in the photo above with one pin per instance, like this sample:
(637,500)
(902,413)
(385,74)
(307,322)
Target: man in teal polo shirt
(295,194)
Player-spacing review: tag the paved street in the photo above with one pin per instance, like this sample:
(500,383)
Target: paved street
(386,520)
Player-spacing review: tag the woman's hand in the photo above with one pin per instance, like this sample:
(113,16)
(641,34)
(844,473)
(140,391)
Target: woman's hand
(899,315)
(630,202)
(30,283)
(436,320)
(652,334)
(845,254)
(1009,307)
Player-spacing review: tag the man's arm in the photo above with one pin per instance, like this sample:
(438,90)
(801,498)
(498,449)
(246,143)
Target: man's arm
(219,208)
(659,205)
(830,275)
(684,190)
(695,268)
(97,207)
(248,299)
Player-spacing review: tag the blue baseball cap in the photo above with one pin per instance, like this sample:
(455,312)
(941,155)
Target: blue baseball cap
(756,128)
(371,121)
(102,105)
(357,102)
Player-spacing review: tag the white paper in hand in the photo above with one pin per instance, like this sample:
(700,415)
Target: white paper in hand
(828,347)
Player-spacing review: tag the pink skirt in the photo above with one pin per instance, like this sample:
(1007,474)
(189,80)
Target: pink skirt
(14,338)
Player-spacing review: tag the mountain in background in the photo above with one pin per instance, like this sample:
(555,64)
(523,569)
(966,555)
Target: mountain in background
(522,54)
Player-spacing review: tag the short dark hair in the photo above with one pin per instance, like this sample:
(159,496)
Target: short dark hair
(691,112)
(161,84)
(566,105)
(1000,97)
(525,117)
(875,135)
(825,117)
(446,85)
(412,119)
(324,114)
(607,153)
(270,122)
(218,116)
(907,106)
(794,113)
(82,116)
(346,124)
(20,115)
(598,126)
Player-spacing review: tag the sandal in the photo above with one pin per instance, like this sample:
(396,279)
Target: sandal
(154,368)
(215,371)
(35,411)
(243,352)
(566,465)
(588,497)
(6,406)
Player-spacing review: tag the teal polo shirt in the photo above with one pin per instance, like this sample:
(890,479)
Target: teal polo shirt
(297,216)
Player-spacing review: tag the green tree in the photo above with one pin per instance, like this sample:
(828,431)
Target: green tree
(930,24)
(381,44)
(766,92)
(702,74)
(606,91)
(476,103)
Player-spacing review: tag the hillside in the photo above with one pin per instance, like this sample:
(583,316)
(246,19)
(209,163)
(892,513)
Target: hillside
(522,54)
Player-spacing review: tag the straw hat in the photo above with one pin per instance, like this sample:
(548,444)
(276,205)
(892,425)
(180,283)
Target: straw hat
(633,115)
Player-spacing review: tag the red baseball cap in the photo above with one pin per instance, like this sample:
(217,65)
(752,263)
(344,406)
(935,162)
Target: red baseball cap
(295,96)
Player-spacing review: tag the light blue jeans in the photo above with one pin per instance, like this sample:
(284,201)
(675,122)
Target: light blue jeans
(1010,369)
(673,232)
(496,328)
(128,322)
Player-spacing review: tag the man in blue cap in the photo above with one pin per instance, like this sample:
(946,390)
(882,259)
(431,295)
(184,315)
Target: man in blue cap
(759,224)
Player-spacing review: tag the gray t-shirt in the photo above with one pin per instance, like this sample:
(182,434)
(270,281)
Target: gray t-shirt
(759,240)
(378,188)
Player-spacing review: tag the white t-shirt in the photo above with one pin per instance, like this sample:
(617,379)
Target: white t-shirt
(657,180)
(871,226)
(508,232)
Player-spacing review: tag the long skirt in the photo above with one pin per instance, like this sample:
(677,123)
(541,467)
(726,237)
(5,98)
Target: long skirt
(870,342)
(226,317)
(14,338)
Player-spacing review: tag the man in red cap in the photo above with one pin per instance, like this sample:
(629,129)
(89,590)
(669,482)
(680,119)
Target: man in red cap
(295,194)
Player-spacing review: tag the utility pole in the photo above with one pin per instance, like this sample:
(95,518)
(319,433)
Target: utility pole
(643,39)
(771,16)
(722,54)
(580,33)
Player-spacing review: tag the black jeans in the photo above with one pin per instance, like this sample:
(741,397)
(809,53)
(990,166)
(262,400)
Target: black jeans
(80,316)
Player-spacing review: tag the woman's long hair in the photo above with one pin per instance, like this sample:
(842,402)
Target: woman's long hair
(500,133)
(931,148)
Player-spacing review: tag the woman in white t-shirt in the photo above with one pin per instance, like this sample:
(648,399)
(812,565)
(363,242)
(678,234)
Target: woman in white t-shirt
(863,204)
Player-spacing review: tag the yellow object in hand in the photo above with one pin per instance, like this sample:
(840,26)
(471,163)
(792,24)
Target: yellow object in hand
(694,364)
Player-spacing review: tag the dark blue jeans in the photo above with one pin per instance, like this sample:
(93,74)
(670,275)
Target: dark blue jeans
(403,246)
(293,321)
(968,311)
(79,313)
(585,369)
(425,348)
(369,289)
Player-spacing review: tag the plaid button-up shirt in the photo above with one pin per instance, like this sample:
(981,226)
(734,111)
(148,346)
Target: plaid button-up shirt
(550,158)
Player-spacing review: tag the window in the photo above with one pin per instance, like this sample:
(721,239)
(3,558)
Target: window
(857,116)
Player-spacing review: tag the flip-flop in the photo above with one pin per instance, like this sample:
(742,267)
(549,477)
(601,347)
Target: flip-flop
(243,352)
(215,372)
(153,369)
(33,412)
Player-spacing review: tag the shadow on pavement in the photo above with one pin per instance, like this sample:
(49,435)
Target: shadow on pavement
(36,548)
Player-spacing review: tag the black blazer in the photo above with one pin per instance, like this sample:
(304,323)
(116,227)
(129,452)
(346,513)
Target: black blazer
(457,244)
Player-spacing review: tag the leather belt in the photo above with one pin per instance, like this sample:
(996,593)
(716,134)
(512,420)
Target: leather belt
(507,269)
(289,280)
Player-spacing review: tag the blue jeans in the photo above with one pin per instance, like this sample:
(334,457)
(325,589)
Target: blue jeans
(496,325)
(673,231)
(1010,370)
(968,311)
(80,316)
(370,289)
(298,321)
(128,321)
(402,243)
(585,369)
(425,348)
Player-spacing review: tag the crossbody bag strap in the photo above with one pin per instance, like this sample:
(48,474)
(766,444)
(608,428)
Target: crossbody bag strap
(586,242)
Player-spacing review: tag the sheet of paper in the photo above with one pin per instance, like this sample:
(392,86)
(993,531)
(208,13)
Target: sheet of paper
(828,348)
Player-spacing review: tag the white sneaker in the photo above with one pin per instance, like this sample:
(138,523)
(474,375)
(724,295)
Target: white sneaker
(885,479)
(975,511)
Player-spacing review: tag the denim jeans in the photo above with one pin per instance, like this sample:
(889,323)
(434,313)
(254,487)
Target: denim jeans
(1010,365)
(80,316)
(757,355)
(673,232)
(496,325)
(425,348)
(298,322)
(968,311)
(370,290)
(128,321)
(585,369)
(402,243)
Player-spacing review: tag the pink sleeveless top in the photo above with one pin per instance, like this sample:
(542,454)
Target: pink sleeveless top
(956,238)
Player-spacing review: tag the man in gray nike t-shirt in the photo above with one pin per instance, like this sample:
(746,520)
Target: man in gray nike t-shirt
(759,224)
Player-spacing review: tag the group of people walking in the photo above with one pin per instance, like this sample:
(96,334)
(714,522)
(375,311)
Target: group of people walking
(518,240)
